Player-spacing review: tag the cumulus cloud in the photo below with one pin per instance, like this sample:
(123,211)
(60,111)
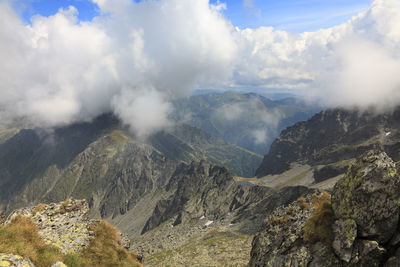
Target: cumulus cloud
(134,58)
(353,65)
(131,60)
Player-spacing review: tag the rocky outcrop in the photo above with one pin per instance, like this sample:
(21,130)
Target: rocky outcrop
(369,195)
(280,240)
(64,225)
(202,189)
(10,260)
(357,226)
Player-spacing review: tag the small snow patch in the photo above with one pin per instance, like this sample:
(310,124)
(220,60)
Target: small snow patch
(208,223)
(202,217)
(388,133)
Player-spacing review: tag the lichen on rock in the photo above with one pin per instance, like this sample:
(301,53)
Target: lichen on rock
(365,229)
(64,225)
(369,194)
(10,260)
(280,241)
(345,232)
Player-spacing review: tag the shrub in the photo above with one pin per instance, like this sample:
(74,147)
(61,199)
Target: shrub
(318,227)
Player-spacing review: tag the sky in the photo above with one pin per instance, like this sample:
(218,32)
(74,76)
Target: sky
(289,15)
(72,60)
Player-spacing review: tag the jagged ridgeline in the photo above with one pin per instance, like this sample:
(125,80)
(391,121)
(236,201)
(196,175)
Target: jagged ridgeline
(320,150)
(248,120)
(102,162)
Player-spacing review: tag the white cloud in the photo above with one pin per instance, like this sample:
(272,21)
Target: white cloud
(355,64)
(59,70)
(132,59)
(259,123)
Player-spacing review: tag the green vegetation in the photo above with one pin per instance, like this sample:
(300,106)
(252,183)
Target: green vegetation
(21,237)
(318,227)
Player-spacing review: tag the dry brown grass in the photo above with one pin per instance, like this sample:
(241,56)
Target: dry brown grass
(318,227)
(105,249)
(39,208)
(303,203)
(21,237)
(64,208)
(278,220)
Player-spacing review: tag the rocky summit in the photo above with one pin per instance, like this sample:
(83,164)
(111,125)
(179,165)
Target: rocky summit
(356,225)
(60,235)
(64,225)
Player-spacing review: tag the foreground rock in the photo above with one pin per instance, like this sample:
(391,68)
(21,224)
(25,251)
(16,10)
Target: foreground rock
(369,195)
(358,228)
(64,225)
(10,260)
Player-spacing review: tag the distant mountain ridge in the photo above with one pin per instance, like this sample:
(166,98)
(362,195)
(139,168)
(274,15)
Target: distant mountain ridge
(248,120)
(99,157)
(331,140)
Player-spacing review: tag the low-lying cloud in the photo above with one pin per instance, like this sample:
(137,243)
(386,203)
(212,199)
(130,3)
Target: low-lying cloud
(134,58)
(131,60)
(253,119)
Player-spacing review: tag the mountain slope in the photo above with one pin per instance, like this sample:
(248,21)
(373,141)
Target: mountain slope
(331,140)
(207,211)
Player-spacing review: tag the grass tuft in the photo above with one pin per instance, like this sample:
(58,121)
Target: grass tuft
(65,207)
(105,249)
(318,227)
(21,237)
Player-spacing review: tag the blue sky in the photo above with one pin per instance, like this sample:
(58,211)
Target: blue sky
(290,15)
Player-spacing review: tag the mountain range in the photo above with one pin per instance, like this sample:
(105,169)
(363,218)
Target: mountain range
(175,195)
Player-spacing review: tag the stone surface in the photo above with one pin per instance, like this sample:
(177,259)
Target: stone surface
(59,264)
(345,232)
(369,194)
(365,232)
(273,245)
(10,260)
(64,225)
(367,253)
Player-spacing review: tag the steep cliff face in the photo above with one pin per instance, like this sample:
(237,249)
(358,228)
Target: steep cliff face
(205,190)
(330,138)
(358,225)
